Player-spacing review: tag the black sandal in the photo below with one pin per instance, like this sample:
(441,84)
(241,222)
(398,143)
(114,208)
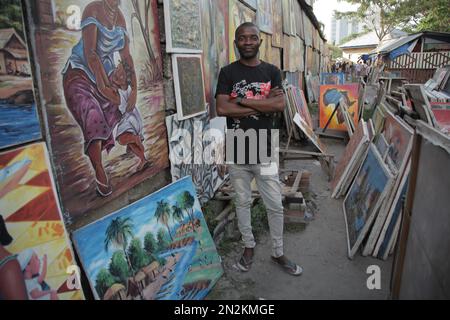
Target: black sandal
(289,266)
(244,263)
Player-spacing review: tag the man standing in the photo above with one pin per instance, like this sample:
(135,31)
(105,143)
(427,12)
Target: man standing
(248,93)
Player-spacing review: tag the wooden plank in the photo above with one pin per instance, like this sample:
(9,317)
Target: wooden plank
(294,187)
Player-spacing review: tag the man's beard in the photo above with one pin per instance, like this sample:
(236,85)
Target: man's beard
(248,55)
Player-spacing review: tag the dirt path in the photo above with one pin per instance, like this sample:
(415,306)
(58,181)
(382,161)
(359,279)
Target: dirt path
(321,249)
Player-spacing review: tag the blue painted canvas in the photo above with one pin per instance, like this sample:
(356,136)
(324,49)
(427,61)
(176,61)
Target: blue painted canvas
(363,199)
(332,78)
(158,248)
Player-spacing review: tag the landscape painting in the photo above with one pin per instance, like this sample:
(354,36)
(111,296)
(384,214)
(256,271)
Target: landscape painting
(364,198)
(330,96)
(183,25)
(19,119)
(158,248)
(106,133)
(31,221)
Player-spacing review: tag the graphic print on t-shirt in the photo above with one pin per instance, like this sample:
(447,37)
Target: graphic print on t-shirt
(254,90)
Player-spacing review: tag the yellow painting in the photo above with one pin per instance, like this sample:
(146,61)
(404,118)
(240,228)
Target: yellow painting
(33,235)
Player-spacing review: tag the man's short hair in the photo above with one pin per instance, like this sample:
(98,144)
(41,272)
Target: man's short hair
(245,25)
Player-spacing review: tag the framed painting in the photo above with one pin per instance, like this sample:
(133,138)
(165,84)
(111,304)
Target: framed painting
(277,28)
(288,16)
(420,103)
(158,248)
(442,117)
(183,26)
(399,137)
(302,106)
(382,246)
(365,198)
(264,16)
(330,96)
(19,118)
(189,85)
(32,223)
(353,151)
(298,120)
(238,13)
(382,145)
(332,78)
(104,138)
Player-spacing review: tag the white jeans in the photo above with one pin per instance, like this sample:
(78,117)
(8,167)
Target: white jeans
(269,187)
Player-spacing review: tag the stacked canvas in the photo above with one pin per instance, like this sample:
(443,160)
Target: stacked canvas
(297,116)
(374,223)
(438,87)
(351,161)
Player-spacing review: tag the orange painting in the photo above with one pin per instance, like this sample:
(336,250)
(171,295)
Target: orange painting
(330,96)
(32,227)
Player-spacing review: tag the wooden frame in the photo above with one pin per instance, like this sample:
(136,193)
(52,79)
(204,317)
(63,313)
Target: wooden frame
(352,249)
(170,48)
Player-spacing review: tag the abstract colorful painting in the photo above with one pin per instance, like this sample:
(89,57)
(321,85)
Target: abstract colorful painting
(105,119)
(215,45)
(277,28)
(330,96)
(194,153)
(32,218)
(264,17)
(364,199)
(332,78)
(158,248)
(238,13)
(189,85)
(19,119)
(183,26)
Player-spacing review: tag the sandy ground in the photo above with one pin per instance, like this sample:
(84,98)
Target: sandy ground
(320,248)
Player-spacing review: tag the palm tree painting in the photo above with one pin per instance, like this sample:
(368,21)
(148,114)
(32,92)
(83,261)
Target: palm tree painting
(149,250)
(163,213)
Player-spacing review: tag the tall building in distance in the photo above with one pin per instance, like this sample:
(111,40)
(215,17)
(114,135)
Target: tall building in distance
(341,28)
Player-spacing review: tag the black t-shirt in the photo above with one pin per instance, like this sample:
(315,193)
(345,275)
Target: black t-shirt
(239,80)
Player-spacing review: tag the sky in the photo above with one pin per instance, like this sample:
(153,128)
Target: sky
(323,9)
